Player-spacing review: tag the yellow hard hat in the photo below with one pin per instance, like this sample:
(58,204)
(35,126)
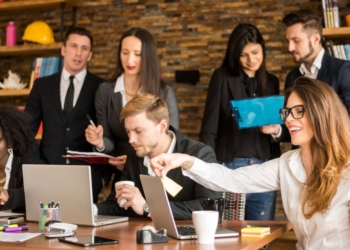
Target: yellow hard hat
(39,32)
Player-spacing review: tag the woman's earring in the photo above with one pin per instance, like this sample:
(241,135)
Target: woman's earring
(10,151)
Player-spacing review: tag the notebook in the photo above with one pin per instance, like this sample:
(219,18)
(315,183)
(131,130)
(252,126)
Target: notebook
(162,216)
(68,184)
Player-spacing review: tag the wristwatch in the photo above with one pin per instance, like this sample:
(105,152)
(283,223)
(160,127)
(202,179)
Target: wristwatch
(145,209)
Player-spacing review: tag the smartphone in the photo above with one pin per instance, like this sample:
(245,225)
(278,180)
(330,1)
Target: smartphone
(11,219)
(89,240)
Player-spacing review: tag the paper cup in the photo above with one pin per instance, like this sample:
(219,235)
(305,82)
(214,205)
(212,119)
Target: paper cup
(205,223)
(118,183)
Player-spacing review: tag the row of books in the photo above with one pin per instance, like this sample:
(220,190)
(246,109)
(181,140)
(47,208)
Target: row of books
(341,51)
(44,66)
(331,13)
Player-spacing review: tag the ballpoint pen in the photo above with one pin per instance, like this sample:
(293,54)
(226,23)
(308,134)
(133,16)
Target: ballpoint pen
(90,120)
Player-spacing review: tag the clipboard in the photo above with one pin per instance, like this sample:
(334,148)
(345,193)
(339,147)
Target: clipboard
(255,112)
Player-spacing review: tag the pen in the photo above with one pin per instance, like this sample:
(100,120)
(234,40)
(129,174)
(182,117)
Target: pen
(90,120)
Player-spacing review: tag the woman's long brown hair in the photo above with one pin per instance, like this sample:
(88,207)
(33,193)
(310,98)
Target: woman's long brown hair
(330,146)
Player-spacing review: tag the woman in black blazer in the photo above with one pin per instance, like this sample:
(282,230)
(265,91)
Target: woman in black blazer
(15,140)
(242,75)
(137,71)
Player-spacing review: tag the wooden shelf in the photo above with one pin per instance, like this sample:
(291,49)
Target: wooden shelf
(14,92)
(36,5)
(341,32)
(30,49)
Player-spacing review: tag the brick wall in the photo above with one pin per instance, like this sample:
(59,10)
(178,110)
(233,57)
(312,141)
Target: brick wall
(189,35)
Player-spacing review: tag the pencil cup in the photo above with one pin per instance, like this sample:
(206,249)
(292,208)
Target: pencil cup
(47,214)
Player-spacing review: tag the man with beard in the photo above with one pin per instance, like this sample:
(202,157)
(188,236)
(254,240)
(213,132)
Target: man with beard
(304,36)
(146,120)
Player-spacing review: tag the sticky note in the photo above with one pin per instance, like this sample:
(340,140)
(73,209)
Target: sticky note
(255,231)
(171,186)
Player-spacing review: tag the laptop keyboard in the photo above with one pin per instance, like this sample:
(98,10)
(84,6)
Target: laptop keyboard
(186,230)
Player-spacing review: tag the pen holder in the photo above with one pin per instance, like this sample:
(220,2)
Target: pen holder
(47,214)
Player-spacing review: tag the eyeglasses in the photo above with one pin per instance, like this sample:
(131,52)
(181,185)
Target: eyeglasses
(296,111)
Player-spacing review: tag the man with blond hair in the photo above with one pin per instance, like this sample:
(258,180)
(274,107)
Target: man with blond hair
(146,121)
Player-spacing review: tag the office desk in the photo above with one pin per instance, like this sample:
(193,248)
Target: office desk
(125,232)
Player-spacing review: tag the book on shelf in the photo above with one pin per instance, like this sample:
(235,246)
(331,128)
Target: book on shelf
(324,13)
(335,10)
(89,157)
(43,66)
(347,51)
(329,13)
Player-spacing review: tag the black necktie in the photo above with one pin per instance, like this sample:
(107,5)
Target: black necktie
(68,103)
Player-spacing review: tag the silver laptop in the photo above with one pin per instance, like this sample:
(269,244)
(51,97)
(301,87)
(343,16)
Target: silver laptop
(162,216)
(68,184)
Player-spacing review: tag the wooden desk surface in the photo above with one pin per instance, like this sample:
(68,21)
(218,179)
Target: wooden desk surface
(125,232)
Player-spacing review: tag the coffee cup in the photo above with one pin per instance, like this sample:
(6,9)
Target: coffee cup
(205,223)
(118,183)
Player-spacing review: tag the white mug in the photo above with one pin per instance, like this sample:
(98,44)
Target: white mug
(205,223)
(131,183)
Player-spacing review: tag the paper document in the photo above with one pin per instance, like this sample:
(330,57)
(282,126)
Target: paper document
(89,157)
(255,112)
(7,213)
(171,186)
(17,237)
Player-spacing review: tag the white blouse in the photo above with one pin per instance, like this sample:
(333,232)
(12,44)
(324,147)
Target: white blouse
(322,231)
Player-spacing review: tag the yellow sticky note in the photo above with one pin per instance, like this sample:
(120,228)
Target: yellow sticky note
(171,186)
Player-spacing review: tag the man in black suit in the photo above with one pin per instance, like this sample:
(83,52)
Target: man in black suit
(61,102)
(146,121)
(304,35)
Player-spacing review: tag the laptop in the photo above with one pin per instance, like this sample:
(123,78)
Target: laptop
(70,185)
(162,216)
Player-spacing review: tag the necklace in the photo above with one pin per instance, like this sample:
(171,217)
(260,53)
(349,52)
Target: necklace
(3,180)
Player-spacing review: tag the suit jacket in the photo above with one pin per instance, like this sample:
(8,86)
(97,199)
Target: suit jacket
(219,129)
(335,72)
(15,189)
(60,134)
(108,107)
(191,198)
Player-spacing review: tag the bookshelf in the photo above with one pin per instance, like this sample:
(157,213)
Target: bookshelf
(34,49)
(336,33)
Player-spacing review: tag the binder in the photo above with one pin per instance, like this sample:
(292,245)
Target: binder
(255,112)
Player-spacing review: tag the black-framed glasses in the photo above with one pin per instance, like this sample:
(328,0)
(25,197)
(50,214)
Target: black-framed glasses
(297,112)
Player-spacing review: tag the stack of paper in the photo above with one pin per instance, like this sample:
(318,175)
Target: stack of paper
(255,231)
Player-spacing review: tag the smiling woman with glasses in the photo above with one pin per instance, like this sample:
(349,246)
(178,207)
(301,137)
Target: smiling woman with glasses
(314,180)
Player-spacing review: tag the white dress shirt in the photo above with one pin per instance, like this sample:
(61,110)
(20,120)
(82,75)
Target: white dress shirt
(119,87)
(316,66)
(322,231)
(78,84)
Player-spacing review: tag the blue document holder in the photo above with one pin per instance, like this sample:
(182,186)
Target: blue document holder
(255,112)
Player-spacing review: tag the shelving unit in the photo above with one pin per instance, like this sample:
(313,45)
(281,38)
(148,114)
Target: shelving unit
(34,49)
(336,33)
(30,49)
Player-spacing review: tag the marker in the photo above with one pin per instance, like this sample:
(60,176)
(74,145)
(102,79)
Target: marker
(15,229)
(90,120)
(41,204)
(43,218)
(57,204)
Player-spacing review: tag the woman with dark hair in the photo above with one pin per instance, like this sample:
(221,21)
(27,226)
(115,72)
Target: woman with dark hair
(314,180)
(15,140)
(137,71)
(242,75)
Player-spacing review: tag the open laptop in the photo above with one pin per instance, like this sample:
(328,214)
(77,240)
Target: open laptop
(68,184)
(162,216)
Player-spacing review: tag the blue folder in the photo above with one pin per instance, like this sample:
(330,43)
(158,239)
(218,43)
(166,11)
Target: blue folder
(255,112)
